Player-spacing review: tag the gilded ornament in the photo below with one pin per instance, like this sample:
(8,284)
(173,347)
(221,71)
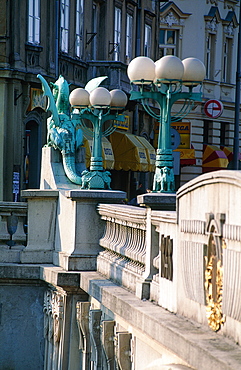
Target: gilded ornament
(214,293)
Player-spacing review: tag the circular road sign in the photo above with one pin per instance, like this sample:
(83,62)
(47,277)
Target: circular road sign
(175,139)
(213,108)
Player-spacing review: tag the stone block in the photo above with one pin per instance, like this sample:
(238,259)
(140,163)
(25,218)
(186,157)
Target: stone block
(74,248)
(160,201)
(42,205)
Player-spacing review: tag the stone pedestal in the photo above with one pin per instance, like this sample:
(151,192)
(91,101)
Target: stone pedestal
(52,171)
(79,227)
(64,226)
(158,201)
(42,206)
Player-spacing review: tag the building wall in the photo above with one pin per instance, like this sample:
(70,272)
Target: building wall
(204,18)
(21,61)
(22,326)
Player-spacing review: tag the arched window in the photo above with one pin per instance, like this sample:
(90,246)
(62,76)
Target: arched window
(32,151)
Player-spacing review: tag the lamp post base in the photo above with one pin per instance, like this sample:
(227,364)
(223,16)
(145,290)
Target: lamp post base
(164,181)
(95,180)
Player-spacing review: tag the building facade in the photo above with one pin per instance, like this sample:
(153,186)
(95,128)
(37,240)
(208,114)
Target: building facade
(77,39)
(85,39)
(207,30)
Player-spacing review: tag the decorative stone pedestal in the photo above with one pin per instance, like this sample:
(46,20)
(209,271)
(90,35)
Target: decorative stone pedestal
(42,205)
(64,226)
(79,227)
(158,201)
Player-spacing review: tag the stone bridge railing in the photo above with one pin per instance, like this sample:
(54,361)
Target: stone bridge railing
(137,249)
(124,241)
(13,230)
(170,257)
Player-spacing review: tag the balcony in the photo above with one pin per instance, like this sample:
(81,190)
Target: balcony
(116,72)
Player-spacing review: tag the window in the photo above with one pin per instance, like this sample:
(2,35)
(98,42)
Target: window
(207,132)
(79,28)
(117,34)
(147,45)
(167,42)
(224,130)
(129,28)
(212,21)
(94,28)
(64,22)
(227,59)
(210,56)
(34,21)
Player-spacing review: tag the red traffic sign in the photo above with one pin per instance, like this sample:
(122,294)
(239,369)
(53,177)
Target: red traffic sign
(213,108)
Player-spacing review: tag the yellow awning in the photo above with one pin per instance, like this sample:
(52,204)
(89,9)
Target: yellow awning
(214,157)
(187,156)
(107,153)
(129,152)
(150,153)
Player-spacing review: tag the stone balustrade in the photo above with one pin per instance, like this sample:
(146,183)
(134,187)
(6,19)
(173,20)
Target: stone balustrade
(138,248)
(124,241)
(163,288)
(162,255)
(13,230)
(125,233)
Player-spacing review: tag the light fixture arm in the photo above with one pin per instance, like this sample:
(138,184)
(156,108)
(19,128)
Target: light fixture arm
(97,178)
(165,97)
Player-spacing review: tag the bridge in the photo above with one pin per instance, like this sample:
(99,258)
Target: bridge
(88,282)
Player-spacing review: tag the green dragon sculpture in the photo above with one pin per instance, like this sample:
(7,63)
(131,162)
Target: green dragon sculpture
(63,133)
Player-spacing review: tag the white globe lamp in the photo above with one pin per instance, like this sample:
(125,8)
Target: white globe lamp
(79,98)
(169,69)
(100,97)
(194,71)
(141,70)
(118,99)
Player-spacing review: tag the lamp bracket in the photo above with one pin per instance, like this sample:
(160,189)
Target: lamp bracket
(114,47)
(16,96)
(91,38)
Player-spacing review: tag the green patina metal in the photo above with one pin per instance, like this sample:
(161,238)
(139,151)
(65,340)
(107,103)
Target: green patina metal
(165,94)
(97,177)
(62,129)
(64,132)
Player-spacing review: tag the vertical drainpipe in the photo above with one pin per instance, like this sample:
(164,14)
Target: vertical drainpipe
(237,102)
(138,29)
(138,53)
(56,38)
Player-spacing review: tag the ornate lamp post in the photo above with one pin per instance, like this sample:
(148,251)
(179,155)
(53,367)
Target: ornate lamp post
(166,79)
(98,105)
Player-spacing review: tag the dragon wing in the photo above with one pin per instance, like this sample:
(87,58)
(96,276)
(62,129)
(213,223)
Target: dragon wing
(94,83)
(51,103)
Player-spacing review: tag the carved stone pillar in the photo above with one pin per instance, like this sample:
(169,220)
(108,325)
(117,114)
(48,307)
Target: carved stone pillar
(124,350)
(95,316)
(54,308)
(82,315)
(108,328)
(42,205)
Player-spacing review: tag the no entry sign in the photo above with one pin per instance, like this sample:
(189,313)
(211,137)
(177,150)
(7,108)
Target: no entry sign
(213,108)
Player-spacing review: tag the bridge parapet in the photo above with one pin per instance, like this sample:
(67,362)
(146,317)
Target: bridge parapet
(131,246)
(13,230)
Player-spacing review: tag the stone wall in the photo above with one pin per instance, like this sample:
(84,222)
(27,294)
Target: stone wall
(22,326)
